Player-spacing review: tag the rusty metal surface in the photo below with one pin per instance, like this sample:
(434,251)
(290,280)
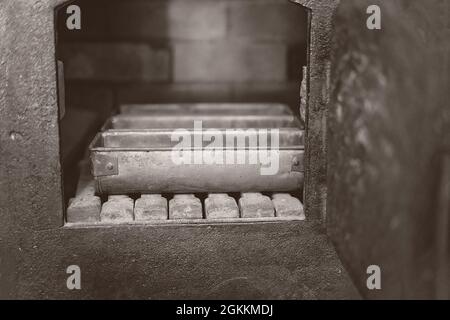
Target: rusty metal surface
(294,260)
(30,180)
(155,171)
(319,55)
(389,117)
(143,162)
(207,108)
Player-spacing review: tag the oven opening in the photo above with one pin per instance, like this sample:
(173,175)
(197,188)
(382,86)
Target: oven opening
(182,111)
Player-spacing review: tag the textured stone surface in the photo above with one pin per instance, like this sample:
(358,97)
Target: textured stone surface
(389,117)
(256,205)
(185,206)
(118,209)
(287,206)
(150,207)
(220,206)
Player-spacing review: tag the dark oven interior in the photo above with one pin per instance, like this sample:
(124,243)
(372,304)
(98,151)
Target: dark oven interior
(133,74)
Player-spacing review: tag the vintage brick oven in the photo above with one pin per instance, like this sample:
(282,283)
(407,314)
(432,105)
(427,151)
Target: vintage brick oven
(356,184)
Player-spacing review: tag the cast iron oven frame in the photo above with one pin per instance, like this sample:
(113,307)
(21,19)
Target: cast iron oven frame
(38,246)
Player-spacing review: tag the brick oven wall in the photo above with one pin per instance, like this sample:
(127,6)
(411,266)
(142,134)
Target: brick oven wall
(182,51)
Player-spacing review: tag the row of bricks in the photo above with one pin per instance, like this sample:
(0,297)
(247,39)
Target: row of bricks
(187,20)
(122,209)
(192,61)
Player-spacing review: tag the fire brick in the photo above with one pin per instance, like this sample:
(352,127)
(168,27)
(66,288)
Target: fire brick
(256,205)
(287,206)
(117,209)
(84,209)
(221,205)
(185,206)
(150,207)
(86,206)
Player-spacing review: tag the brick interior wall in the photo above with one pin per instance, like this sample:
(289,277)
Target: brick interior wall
(182,51)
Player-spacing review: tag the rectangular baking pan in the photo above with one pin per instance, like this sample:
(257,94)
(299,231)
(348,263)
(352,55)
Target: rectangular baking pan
(207,108)
(126,162)
(186,121)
